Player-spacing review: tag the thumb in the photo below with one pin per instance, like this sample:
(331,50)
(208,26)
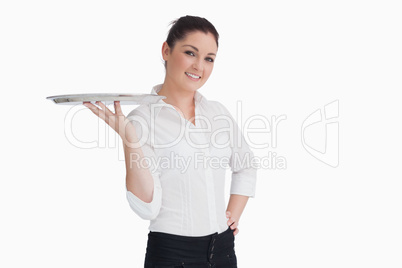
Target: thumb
(228,214)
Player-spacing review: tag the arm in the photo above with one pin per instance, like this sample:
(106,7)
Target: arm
(235,208)
(138,179)
(144,191)
(244,175)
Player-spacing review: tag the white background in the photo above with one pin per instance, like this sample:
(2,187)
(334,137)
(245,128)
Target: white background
(64,206)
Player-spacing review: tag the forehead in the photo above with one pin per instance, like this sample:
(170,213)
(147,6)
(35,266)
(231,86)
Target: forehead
(205,42)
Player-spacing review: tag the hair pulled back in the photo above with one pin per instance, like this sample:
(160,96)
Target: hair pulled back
(187,24)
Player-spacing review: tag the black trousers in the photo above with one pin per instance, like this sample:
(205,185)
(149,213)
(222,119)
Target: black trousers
(174,251)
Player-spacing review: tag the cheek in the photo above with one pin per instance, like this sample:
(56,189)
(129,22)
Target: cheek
(177,64)
(183,62)
(208,70)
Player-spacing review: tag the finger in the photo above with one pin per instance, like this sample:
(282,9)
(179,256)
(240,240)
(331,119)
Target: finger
(95,110)
(228,214)
(235,232)
(104,111)
(89,105)
(117,108)
(233,225)
(104,108)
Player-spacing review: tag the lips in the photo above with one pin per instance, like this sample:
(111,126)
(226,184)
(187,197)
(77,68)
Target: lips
(193,76)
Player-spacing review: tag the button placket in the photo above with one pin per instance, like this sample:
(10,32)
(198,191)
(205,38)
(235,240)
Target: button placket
(210,192)
(211,248)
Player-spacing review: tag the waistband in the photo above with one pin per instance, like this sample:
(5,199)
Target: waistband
(187,238)
(171,247)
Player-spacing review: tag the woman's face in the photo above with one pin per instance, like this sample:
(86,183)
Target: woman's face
(189,64)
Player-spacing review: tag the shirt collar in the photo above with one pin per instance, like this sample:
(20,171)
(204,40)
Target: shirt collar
(197,96)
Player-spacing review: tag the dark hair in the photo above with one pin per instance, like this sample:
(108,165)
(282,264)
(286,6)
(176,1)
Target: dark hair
(184,25)
(187,24)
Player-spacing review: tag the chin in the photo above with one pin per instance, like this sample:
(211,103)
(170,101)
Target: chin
(193,87)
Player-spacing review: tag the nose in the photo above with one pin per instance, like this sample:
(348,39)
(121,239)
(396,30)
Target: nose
(198,65)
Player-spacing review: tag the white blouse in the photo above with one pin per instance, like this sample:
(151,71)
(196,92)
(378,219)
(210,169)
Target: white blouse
(188,164)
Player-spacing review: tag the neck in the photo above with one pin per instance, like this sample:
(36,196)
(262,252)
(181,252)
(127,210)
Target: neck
(176,95)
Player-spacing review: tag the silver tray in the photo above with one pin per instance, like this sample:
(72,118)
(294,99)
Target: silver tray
(107,98)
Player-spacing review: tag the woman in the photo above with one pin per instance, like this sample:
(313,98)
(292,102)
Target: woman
(187,142)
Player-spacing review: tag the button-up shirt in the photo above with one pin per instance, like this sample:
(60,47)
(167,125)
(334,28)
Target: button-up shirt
(188,163)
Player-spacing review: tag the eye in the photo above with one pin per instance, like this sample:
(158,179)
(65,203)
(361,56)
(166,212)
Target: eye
(209,59)
(190,53)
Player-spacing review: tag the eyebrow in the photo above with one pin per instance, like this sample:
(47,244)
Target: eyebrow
(196,49)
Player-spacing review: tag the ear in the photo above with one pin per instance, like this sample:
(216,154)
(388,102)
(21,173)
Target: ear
(165,51)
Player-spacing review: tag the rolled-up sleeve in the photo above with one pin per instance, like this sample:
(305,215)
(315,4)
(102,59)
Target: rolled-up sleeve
(147,211)
(244,173)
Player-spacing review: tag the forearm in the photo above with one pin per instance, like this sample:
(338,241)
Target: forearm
(139,179)
(236,205)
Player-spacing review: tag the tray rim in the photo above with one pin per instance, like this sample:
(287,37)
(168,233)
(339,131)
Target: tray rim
(107,97)
(103,95)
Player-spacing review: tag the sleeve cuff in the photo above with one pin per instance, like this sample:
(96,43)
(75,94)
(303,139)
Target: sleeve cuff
(244,182)
(147,211)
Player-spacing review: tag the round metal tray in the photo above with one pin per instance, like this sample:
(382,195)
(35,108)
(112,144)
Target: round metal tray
(107,98)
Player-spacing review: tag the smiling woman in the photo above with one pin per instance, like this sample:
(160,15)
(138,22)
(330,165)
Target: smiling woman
(190,224)
(188,66)
(189,53)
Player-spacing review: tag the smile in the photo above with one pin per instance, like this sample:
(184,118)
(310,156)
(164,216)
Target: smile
(193,76)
